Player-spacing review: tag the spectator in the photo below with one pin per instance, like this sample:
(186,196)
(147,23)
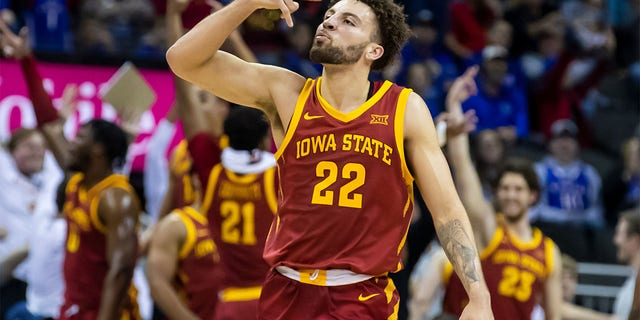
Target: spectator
(623,191)
(570,188)
(499,104)
(627,240)
(29,179)
(489,159)
(470,20)
(529,19)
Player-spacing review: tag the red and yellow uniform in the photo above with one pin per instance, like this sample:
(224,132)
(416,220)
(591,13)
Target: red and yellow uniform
(515,273)
(345,197)
(240,211)
(197,275)
(184,193)
(85,263)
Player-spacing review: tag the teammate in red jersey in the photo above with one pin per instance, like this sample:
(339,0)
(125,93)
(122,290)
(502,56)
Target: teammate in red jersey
(520,264)
(182,266)
(348,151)
(102,216)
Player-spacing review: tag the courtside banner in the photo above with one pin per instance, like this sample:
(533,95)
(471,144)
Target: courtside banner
(16,109)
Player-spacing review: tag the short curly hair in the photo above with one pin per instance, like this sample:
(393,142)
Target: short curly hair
(393,30)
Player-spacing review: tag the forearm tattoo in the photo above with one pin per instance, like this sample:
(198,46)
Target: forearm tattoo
(459,249)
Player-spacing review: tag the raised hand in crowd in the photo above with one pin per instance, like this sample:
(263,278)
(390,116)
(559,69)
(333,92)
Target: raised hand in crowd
(14,45)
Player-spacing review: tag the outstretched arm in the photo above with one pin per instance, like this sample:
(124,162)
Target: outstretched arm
(118,210)
(466,177)
(196,58)
(189,104)
(450,219)
(168,237)
(47,117)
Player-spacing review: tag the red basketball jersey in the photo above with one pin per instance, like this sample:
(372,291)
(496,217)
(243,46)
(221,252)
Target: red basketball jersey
(240,210)
(345,192)
(197,275)
(183,193)
(515,273)
(85,263)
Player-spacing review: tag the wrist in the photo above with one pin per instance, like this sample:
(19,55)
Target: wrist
(479,292)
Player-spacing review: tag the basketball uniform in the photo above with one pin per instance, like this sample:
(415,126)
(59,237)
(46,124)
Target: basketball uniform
(85,263)
(240,211)
(515,272)
(345,203)
(197,274)
(181,164)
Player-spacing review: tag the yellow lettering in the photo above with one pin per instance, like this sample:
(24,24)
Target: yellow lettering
(387,152)
(358,139)
(204,247)
(331,143)
(346,142)
(366,146)
(378,145)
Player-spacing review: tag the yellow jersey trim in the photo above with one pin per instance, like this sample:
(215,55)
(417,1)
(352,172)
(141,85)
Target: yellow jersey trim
(191,237)
(498,235)
(246,178)
(295,118)
(112,181)
(180,161)
(389,289)
(535,240)
(549,251)
(195,215)
(346,117)
(213,180)
(270,189)
(399,133)
(240,294)
(446,273)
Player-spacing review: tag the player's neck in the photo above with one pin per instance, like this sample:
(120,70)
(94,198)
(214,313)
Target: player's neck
(344,88)
(94,175)
(521,228)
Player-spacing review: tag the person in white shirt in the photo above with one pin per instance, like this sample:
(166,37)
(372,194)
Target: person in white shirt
(29,180)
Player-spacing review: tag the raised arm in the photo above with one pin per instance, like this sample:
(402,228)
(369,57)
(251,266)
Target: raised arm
(118,210)
(166,241)
(189,99)
(467,180)
(17,46)
(196,58)
(450,219)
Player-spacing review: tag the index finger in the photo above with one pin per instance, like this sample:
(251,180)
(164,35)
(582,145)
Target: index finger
(286,13)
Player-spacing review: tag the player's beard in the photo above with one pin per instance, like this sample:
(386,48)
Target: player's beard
(515,218)
(335,55)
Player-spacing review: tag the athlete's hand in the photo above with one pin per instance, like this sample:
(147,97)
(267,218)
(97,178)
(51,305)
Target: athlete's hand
(477,309)
(286,7)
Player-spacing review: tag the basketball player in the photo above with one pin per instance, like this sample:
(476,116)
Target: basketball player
(348,152)
(520,263)
(102,216)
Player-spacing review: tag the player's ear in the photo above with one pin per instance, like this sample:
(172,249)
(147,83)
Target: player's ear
(374,51)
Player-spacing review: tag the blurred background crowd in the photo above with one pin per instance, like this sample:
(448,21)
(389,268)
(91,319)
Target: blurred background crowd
(559,83)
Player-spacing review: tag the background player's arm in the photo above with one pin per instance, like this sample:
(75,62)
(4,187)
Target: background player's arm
(425,291)
(552,299)
(118,210)
(635,306)
(467,180)
(196,58)
(168,237)
(450,219)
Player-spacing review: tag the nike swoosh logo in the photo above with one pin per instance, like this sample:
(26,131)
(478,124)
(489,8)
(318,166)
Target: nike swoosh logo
(365,298)
(307,116)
